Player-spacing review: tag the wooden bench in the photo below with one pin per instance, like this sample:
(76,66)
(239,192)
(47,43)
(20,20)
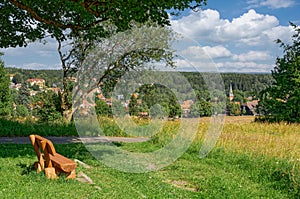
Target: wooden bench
(49,161)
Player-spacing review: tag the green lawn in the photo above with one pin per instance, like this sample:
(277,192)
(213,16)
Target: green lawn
(222,174)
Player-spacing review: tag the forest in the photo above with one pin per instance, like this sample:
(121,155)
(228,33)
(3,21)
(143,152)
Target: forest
(251,84)
(205,88)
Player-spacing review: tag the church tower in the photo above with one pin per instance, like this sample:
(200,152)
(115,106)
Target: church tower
(231,96)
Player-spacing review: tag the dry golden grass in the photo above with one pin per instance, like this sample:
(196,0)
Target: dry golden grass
(242,134)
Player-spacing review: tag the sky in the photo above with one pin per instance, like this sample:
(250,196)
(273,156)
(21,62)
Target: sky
(237,35)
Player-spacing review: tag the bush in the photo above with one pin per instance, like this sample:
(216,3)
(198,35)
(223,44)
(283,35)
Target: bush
(22,111)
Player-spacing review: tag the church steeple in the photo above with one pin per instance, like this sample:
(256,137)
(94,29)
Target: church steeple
(231,96)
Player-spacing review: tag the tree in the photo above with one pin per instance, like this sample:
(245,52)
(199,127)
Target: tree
(25,21)
(234,108)
(17,79)
(281,101)
(81,22)
(23,96)
(5,97)
(102,108)
(201,108)
(133,106)
(47,106)
(21,111)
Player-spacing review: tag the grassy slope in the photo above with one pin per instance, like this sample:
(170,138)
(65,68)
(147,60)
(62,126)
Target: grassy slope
(236,168)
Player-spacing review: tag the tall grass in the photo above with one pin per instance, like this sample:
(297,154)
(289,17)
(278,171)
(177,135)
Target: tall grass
(250,160)
(27,127)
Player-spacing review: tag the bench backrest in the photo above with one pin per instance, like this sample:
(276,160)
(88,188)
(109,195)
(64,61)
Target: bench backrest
(42,146)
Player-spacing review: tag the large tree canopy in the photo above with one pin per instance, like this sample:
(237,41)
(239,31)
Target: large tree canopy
(5,97)
(281,101)
(24,21)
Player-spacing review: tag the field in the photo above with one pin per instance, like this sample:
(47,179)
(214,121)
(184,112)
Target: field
(250,160)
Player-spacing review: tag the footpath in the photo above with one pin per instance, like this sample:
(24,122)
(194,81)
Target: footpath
(67,140)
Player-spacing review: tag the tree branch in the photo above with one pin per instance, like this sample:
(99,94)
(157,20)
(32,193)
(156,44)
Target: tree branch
(39,18)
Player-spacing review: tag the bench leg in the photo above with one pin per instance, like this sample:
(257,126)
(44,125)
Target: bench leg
(72,175)
(38,167)
(50,173)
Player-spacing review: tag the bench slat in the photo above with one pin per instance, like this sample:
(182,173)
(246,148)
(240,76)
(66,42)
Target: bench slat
(62,162)
(46,152)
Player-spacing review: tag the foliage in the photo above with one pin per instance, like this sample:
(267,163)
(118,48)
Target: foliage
(118,109)
(18,78)
(22,97)
(21,111)
(81,23)
(201,108)
(26,21)
(134,108)
(234,108)
(12,127)
(281,101)
(35,87)
(159,95)
(5,96)
(52,77)
(102,108)
(243,84)
(47,106)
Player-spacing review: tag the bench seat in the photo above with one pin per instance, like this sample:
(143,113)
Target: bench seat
(53,163)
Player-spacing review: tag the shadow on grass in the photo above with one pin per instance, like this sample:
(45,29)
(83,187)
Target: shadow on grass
(26,169)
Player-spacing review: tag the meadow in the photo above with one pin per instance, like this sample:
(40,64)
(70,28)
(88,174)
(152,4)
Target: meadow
(250,160)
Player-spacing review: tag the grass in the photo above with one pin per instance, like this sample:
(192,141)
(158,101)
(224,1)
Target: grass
(27,127)
(251,160)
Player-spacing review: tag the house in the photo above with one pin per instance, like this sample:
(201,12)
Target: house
(186,107)
(250,107)
(36,81)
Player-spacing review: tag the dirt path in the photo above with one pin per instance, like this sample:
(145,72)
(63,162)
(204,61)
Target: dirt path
(66,140)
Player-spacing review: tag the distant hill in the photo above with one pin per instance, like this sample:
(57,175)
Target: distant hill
(51,76)
(244,82)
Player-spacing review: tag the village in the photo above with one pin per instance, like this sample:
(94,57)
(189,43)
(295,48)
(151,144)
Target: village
(234,107)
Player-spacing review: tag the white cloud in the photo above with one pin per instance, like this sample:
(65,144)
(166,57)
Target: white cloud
(253,56)
(217,51)
(245,43)
(198,52)
(280,32)
(203,24)
(198,66)
(240,67)
(49,49)
(274,4)
(36,66)
(207,26)
(249,25)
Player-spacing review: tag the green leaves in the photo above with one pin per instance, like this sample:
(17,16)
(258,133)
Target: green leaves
(26,21)
(5,97)
(281,102)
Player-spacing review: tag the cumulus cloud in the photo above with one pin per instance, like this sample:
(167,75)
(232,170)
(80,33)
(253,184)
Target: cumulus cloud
(249,39)
(203,24)
(251,28)
(240,67)
(47,49)
(274,4)
(280,32)
(213,52)
(249,25)
(253,56)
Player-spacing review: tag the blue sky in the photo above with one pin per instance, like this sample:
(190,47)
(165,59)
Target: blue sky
(237,35)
